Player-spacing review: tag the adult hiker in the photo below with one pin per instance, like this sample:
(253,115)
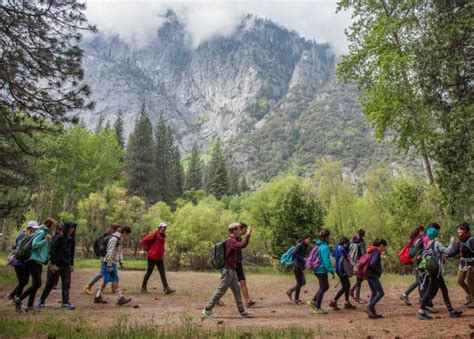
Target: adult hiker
(229,277)
(357,249)
(154,246)
(374,273)
(416,247)
(344,270)
(465,247)
(299,257)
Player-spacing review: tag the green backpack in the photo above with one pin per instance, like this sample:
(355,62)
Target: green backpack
(429,264)
(218,255)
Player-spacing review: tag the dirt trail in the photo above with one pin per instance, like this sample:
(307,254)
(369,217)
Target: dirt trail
(272,310)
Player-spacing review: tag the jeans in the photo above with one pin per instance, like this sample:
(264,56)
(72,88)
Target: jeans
(98,276)
(35,269)
(228,279)
(300,281)
(356,288)
(376,290)
(435,283)
(415,284)
(345,288)
(23,275)
(65,273)
(469,287)
(323,287)
(150,267)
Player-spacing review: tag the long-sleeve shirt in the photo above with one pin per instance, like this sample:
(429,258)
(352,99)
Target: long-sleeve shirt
(114,250)
(325,257)
(300,254)
(339,253)
(231,245)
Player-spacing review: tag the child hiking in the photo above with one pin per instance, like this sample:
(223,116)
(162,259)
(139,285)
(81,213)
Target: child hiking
(113,256)
(154,246)
(229,277)
(344,271)
(299,257)
(357,249)
(374,273)
(416,247)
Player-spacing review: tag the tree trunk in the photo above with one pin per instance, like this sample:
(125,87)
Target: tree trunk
(425,162)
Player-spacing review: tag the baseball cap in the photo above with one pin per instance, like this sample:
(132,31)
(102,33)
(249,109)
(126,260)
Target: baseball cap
(32,224)
(161,225)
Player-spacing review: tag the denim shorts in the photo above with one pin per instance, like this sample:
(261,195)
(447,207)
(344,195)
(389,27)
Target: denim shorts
(110,277)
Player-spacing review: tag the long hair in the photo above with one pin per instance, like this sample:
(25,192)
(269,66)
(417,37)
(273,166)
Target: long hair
(416,232)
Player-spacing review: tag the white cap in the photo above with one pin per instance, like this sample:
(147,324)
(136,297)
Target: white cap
(32,224)
(161,225)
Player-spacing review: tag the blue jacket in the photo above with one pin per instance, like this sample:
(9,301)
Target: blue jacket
(375,265)
(338,253)
(325,258)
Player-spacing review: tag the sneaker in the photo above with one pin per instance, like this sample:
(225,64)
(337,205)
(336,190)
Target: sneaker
(122,301)
(431,309)
(455,314)
(42,304)
(319,311)
(423,316)
(311,303)
(69,306)
(334,306)
(404,298)
(298,302)
(99,300)
(246,314)
(208,314)
(220,303)
(11,299)
(289,294)
(87,290)
(169,290)
(17,304)
(349,306)
(144,290)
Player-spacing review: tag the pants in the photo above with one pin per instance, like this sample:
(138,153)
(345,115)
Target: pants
(323,287)
(35,269)
(228,279)
(23,275)
(300,281)
(65,273)
(161,268)
(469,276)
(435,283)
(356,288)
(376,290)
(345,288)
(98,276)
(415,284)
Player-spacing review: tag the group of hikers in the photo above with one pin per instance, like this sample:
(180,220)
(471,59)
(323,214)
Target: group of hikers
(36,247)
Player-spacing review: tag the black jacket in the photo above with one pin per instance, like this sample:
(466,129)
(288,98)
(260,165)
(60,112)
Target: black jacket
(63,247)
(299,255)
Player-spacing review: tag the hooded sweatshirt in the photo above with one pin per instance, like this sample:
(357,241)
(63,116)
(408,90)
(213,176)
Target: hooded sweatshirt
(40,246)
(375,265)
(339,253)
(63,246)
(154,245)
(325,258)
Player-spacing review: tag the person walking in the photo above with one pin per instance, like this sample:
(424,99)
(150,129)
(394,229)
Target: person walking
(375,272)
(299,257)
(416,247)
(154,246)
(465,247)
(344,272)
(357,249)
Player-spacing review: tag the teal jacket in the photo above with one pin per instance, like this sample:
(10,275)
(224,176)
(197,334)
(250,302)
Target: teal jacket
(40,246)
(325,258)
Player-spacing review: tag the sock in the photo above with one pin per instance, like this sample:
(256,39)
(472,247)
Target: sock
(119,293)
(99,292)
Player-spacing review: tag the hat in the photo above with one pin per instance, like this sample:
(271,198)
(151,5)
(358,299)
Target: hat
(32,224)
(161,225)
(432,233)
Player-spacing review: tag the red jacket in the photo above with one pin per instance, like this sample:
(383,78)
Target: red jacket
(154,245)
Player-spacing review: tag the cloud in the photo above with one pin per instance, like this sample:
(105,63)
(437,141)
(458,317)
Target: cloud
(138,21)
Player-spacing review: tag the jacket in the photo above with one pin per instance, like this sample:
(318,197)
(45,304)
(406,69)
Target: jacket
(325,258)
(40,246)
(154,245)
(114,253)
(299,255)
(357,249)
(339,253)
(231,247)
(63,247)
(375,264)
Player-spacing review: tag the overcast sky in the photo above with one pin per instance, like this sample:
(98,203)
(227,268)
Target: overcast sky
(137,20)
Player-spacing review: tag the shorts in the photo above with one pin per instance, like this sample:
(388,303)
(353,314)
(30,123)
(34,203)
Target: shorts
(110,277)
(239,269)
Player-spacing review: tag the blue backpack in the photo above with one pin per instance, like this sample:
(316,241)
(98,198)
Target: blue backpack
(287,257)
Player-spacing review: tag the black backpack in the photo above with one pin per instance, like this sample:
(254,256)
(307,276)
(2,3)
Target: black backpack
(103,244)
(97,243)
(24,249)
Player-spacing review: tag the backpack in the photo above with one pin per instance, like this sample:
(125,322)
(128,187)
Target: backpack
(287,257)
(313,262)
(218,255)
(97,243)
(362,267)
(346,268)
(429,264)
(404,255)
(467,244)
(104,243)
(416,249)
(24,249)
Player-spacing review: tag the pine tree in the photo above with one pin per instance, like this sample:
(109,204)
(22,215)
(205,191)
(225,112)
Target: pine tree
(165,180)
(119,130)
(218,183)
(194,174)
(243,186)
(233,182)
(178,172)
(139,158)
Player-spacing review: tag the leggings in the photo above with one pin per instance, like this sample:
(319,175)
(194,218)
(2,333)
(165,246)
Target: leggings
(161,268)
(300,281)
(23,275)
(35,269)
(435,283)
(376,289)
(323,287)
(345,287)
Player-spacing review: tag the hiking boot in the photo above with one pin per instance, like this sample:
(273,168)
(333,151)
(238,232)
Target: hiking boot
(470,305)
(122,301)
(289,294)
(251,303)
(99,300)
(298,302)
(311,303)
(144,290)
(246,314)
(208,314)
(169,290)
(349,306)
(334,306)
(455,314)
(431,309)
(404,298)
(318,311)
(220,303)
(423,315)
(87,290)
(371,312)
(69,306)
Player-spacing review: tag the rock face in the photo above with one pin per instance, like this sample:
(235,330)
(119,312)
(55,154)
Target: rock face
(267,93)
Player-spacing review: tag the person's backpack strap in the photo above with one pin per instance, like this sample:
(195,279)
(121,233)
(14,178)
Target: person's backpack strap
(468,244)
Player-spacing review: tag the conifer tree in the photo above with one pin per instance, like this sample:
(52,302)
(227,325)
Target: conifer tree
(178,173)
(233,181)
(243,187)
(218,183)
(194,173)
(119,130)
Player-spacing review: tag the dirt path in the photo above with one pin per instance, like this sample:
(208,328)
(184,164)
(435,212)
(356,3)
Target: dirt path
(273,308)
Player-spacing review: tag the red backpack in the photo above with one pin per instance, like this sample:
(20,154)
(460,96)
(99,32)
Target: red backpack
(404,255)
(362,267)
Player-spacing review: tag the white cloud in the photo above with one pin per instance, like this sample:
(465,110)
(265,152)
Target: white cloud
(138,21)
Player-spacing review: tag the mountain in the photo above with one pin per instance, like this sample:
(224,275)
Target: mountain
(267,93)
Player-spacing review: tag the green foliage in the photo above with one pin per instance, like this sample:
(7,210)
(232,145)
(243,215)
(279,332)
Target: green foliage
(119,129)
(194,173)
(217,180)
